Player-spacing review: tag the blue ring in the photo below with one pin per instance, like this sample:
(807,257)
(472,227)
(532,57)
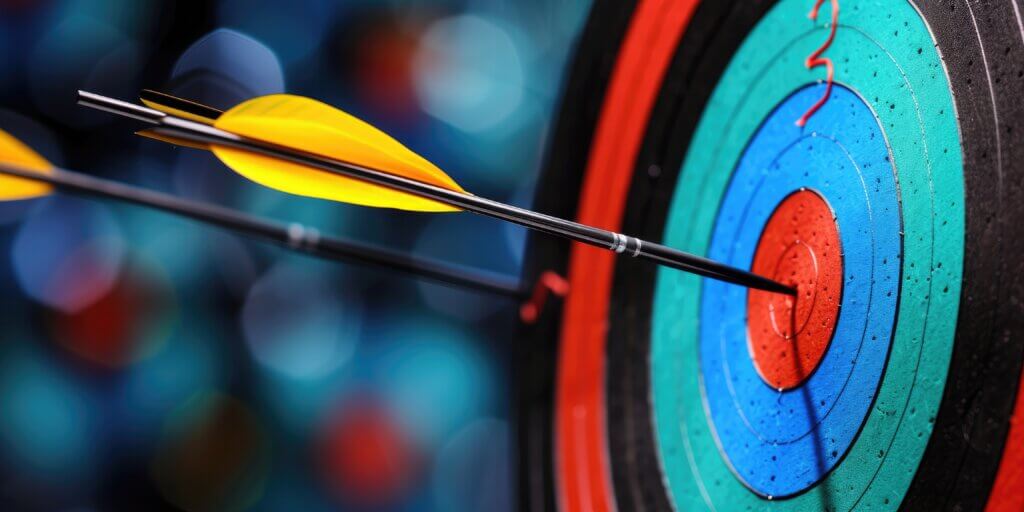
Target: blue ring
(781,443)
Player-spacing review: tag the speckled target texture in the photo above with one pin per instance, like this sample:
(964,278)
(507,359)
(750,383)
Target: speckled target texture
(885,54)
(781,442)
(935,438)
(983,48)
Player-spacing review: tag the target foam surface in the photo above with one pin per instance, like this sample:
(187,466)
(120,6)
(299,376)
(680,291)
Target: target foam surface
(799,246)
(882,416)
(780,442)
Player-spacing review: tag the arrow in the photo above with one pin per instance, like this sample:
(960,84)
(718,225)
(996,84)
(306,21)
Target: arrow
(24,174)
(301,146)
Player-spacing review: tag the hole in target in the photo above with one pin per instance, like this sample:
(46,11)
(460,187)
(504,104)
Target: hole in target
(799,246)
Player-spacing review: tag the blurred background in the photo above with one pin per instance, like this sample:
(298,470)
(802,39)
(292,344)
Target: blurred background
(153,363)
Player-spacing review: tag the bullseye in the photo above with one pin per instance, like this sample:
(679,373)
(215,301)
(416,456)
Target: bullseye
(800,247)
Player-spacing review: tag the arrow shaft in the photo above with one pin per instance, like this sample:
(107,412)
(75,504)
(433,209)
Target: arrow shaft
(620,243)
(293,236)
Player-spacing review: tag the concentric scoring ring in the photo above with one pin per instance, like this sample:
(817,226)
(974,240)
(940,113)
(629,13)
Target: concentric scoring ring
(781,443)
(800,246)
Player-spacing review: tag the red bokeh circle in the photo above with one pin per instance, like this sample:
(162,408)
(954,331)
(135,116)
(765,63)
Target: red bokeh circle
(366,457)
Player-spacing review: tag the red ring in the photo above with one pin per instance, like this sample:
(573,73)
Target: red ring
(1008,491)
(800,247)
(582,461)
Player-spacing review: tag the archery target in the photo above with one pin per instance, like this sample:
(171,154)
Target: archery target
(896,212)
(902,255)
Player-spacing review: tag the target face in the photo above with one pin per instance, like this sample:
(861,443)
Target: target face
(707,395)
(890,379)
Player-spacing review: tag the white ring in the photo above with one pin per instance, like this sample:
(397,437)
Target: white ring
(637,251)
(295,234)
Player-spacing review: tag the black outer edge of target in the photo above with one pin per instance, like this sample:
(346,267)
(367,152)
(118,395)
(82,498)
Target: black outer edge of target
(557,194)
(714,35)
(966,446)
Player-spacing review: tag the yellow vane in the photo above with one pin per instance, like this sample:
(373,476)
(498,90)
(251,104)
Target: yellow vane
(178,107)
(14,152)
(317,128)
(151,134)
(313,127)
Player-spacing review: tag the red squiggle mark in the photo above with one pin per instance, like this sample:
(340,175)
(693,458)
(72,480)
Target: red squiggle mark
(549,282)
(815,60)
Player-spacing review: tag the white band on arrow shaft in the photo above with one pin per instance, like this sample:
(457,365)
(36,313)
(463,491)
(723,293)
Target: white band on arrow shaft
(621,243)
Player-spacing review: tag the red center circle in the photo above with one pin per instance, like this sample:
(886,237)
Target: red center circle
(800,247)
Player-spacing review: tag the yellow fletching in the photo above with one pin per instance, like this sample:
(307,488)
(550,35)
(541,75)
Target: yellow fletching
(177,113)
(150,134)
(317,128)
(186,109)
(14,152)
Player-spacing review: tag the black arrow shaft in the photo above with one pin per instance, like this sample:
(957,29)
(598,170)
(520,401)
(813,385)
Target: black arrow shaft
(205,134)
(293,236)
